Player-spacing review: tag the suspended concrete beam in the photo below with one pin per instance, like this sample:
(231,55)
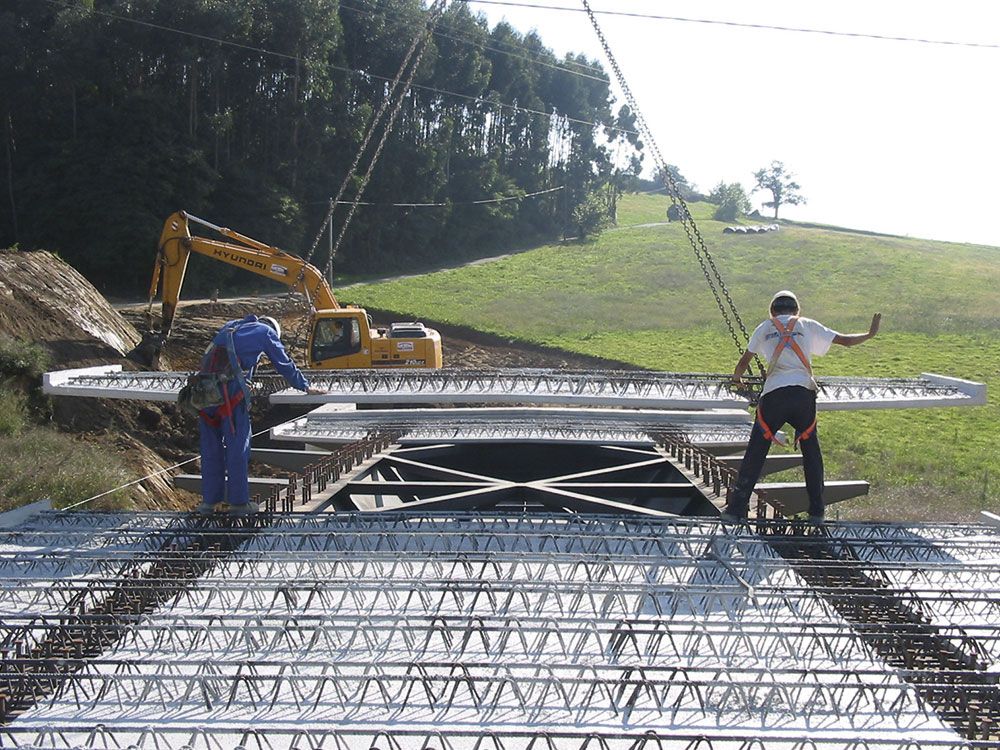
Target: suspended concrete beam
(525,386)
(929,391)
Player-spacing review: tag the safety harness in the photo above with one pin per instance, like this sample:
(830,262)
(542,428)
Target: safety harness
(785,332)
(227,367)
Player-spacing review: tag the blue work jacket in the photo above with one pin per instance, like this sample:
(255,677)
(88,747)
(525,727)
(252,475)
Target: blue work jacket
(251,340)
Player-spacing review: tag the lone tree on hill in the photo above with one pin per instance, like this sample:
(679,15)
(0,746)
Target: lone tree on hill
(784,190)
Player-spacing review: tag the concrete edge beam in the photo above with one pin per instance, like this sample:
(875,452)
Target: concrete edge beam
(794,498)
(17,516)
(258,485)
(284,458)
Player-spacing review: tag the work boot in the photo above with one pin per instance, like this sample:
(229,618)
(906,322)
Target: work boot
(816,520)
(728,517)
(244,509)
(205,508)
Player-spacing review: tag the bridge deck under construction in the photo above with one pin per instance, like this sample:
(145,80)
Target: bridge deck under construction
(495,630)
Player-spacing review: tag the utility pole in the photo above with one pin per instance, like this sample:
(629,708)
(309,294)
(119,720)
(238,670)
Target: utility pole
(330,249)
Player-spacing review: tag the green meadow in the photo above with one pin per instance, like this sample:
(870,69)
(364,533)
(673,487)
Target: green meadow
(638,295)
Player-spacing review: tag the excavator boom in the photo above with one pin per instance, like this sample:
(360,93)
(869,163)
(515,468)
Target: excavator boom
(339,337)
(177,243)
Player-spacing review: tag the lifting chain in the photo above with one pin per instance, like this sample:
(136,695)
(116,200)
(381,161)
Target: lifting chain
(704,257)
(394,96)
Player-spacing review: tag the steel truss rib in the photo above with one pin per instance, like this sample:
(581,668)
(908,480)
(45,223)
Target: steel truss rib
(638,389)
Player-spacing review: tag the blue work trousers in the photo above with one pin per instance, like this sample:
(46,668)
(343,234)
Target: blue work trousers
(225,457)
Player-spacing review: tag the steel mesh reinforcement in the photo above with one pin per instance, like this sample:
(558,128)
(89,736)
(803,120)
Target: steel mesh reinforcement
(469,630)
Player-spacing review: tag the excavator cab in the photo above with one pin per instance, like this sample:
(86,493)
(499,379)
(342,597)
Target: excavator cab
(345,338)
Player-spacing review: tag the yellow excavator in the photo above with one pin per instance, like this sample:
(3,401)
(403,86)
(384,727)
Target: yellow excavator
(339,337)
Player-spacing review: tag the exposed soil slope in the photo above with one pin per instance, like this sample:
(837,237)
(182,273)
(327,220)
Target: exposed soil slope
(42,299)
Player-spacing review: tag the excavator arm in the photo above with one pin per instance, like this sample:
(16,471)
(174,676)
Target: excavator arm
(339,337)
(172,255)
(177,243)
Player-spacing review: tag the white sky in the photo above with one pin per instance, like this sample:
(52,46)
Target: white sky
(891,136)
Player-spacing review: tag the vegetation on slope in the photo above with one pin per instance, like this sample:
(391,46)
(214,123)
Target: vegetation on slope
(39,461)
(637,294)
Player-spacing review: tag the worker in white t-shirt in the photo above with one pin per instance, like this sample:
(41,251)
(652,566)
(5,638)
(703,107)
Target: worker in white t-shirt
(787,343)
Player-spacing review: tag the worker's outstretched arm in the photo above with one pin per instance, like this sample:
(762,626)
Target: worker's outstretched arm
(282,362)
(853,339)
(742,365)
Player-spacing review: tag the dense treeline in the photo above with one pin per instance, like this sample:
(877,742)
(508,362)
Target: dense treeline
(110,124)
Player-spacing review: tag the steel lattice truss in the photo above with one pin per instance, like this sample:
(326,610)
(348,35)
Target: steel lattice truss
(491,631)
(595,388)
(592,479)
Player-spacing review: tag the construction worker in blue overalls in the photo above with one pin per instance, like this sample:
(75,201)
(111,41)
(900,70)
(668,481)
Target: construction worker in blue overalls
(787,342)
(225,430)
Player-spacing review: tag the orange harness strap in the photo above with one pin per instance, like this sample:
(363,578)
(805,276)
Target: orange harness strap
(786,340)
(225,411)
(769,434)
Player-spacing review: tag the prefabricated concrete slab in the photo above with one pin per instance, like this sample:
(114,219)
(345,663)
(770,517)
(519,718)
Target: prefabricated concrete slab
(774,462)
(639,389)
(517,424)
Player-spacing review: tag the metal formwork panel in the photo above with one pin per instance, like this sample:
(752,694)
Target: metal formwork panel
(466,631)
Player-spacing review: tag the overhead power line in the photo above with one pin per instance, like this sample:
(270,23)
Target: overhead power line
(739,24)
(484,201)
(563,68)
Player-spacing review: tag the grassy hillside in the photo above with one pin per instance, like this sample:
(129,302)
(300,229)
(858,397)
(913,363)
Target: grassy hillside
(637,294)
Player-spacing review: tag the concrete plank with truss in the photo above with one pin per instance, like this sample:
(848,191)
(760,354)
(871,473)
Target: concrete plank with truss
(470,630)
(557,387)
(516,424)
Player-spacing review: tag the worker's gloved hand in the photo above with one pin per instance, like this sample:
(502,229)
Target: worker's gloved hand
(315,391)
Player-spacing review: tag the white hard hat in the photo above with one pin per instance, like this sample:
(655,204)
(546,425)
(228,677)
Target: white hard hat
(785,294)
(269,321)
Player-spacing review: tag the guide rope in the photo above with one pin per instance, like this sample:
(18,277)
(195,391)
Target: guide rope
(716,284)
(140,480)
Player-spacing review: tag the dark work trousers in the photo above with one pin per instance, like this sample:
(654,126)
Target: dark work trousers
(796,406)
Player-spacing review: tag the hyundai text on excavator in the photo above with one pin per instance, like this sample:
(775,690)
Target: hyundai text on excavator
(339,337)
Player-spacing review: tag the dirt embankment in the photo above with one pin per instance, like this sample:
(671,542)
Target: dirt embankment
(45,301)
